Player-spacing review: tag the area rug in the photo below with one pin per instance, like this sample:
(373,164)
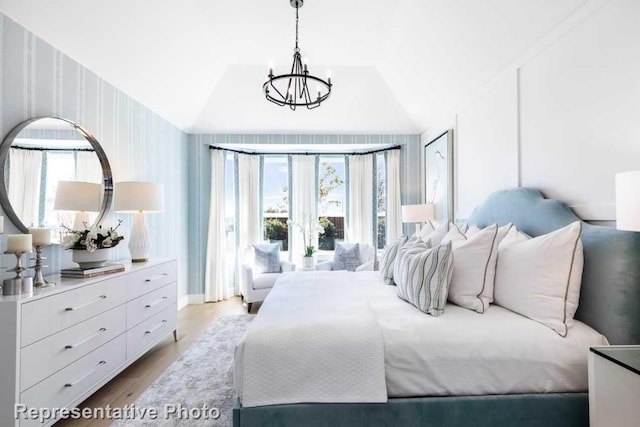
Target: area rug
(197,384)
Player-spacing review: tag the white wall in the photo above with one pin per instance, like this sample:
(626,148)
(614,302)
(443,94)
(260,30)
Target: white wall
(564,117)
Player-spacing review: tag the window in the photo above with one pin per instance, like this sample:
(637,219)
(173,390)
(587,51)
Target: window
(60,166)
(381,197)
(331,200)
(275,200)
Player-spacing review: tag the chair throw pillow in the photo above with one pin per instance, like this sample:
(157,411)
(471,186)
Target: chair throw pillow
(423,276)
(266,258)
(346,256)
(388,259)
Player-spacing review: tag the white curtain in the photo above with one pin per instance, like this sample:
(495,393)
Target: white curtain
(394,203)
(303,209)
(25,174)
(249,194)
(360,227)
(88,168)
(215,284)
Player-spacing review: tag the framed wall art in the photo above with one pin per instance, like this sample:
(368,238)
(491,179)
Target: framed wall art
(437,164)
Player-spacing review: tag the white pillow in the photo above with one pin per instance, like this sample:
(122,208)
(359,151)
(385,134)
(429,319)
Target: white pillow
(426,229)
(423,276)
(436,236)
(513,236)
(471,285)
(540,278)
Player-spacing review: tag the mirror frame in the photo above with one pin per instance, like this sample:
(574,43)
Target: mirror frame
(107,178)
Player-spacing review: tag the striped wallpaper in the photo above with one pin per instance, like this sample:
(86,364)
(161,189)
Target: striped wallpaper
(38,80)
(200,170)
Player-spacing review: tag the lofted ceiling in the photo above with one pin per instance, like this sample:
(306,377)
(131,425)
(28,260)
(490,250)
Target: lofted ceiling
(396,64)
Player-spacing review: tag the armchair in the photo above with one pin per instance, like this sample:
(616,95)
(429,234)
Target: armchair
(367,260)
(254,287)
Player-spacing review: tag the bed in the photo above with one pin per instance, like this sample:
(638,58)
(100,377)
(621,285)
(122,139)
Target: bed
(608,304)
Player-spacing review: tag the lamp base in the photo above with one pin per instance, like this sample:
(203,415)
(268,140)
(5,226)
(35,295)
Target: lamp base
(139,241)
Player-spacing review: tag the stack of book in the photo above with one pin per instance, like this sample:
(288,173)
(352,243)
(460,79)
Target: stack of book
(79,273)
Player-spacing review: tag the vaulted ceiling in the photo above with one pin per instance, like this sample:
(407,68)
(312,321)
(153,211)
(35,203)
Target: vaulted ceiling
(396,64)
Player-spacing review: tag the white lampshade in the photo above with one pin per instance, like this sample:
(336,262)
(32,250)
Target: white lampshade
(138,197)
(628,201)
(417,213)
(77,196)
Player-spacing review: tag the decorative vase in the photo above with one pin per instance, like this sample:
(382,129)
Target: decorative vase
(307,263)
(95,259)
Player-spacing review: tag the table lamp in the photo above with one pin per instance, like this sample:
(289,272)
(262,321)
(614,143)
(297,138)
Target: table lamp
(628,201)
(139,198)
(418,214)
(79,197)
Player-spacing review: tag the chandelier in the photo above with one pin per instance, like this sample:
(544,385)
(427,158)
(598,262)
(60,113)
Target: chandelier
(292,89)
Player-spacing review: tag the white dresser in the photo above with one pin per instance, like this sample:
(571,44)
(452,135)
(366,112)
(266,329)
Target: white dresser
(60,345)
(614,386)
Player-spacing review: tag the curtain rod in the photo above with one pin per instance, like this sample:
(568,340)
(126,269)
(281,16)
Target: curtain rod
(17,147)
(306,153)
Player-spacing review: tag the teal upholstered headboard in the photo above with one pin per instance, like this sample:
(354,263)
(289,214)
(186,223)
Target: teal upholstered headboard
(610,295)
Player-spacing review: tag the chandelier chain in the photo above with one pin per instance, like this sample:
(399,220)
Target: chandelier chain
(297,49)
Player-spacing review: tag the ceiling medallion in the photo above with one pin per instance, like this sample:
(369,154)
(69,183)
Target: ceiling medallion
(292,89)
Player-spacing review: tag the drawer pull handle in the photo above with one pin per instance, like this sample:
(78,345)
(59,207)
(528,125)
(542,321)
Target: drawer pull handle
(74,383)
(87,339)
(150,331)
(99,299)
(153,279)
(155,303)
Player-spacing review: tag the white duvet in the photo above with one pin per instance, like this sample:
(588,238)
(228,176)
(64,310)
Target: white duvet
(316,339)
(460,352)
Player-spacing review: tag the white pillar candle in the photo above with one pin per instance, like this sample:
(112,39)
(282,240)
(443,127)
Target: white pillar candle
(1,224)
(19,243)
(41,236)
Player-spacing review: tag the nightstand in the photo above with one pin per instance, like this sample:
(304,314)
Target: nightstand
(614,386)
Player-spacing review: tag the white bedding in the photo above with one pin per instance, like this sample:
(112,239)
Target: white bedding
(460,352)
(315,340)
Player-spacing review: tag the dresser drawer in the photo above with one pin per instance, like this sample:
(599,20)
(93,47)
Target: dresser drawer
(65,386)
(149,304)
(149,279)
(49,315)
(49,355)
(151,330)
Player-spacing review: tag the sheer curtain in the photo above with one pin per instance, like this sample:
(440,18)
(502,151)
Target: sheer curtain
(25,175)
(215,283)
(360,227)
(394,203)
(303,204)
(88,168)
(249,200)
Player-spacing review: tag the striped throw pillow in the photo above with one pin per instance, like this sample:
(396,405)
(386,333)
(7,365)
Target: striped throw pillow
(423,276)
(388,259)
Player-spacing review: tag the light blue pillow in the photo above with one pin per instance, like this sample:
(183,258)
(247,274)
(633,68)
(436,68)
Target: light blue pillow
(346,256)
(266,258)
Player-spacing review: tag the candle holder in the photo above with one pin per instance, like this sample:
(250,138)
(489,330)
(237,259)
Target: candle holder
(17,285)
(38,279)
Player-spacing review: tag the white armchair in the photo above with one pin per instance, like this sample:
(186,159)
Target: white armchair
(367,260)
(254,287)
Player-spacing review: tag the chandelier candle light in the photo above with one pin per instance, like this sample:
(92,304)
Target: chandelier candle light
(292,89)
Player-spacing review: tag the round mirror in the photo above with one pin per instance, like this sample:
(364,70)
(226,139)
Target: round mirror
(54,173)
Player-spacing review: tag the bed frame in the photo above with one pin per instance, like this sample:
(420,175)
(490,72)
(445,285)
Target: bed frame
(609,302)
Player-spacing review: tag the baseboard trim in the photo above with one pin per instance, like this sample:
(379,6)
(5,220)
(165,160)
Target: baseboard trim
(183,302)
(196,299)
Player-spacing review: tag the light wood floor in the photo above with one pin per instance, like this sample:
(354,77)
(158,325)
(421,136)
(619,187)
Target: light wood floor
(124,389)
